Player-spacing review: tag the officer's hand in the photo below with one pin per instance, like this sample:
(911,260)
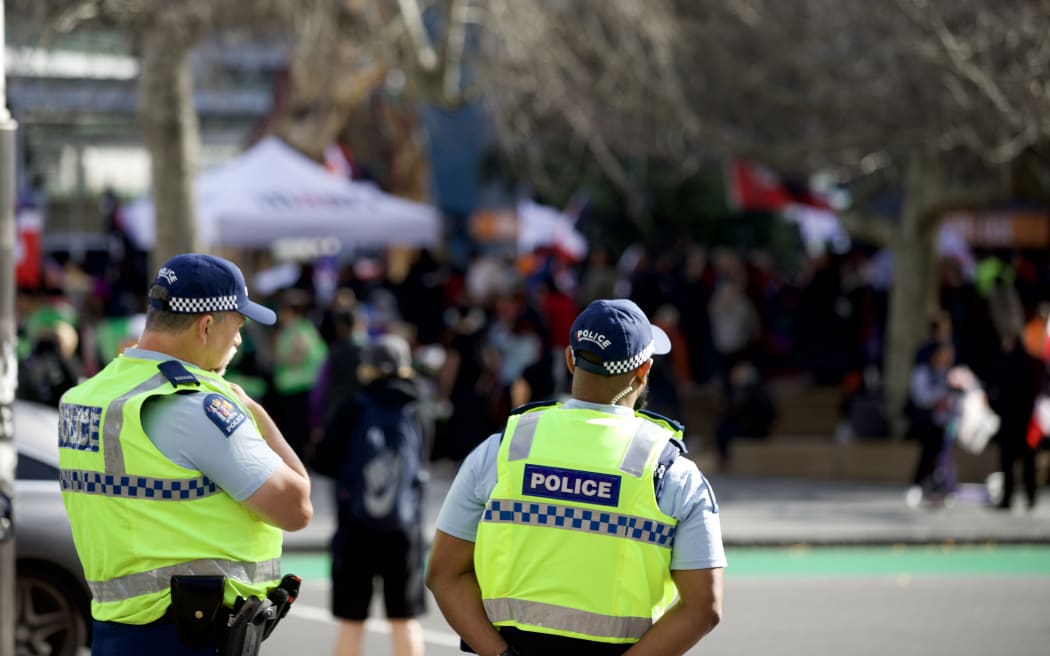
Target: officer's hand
(242,396)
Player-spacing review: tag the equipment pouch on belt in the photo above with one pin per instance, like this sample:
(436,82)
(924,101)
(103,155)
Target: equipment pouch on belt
(196,606)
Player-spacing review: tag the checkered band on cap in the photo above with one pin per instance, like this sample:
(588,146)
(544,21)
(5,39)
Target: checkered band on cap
(202,305)
(627,366)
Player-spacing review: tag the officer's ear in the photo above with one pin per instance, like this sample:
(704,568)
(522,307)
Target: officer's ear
(204,327)
(641,374)
(570,362)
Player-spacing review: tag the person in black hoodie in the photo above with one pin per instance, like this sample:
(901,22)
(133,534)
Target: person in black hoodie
(375,446)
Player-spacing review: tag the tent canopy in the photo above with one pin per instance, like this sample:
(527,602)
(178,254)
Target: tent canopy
(272,192)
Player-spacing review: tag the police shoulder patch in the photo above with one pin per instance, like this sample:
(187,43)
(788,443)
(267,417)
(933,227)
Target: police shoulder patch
(223,413)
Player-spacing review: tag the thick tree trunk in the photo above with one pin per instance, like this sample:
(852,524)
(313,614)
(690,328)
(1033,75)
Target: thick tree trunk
(914,278)
(169,123)
(913,297)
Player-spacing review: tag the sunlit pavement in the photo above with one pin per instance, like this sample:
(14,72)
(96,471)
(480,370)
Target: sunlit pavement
(814,568)
(920,600)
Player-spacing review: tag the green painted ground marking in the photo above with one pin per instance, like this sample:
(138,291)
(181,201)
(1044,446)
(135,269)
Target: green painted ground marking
(969,560)
(308,566)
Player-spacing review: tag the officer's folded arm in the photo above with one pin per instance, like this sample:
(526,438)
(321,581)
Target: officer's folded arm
(698,611)
(283,500)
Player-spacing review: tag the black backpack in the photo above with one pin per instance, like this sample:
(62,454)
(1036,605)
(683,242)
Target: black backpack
(380,485)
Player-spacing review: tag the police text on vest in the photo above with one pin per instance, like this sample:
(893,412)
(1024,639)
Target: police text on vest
(571,485)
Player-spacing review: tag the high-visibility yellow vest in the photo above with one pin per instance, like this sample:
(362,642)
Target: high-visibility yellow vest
(296,377)
(572,541)
(138,518)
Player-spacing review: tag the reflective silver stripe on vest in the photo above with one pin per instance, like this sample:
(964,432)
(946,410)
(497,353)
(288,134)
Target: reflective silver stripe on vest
(136,487)
(552,515)
(115,423)
(159,580)
(560,618)
(637,454)
(524,432)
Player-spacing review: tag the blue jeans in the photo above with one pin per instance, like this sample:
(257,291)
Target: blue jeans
(157,639)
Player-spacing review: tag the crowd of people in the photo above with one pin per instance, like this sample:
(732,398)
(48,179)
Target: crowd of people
(487,335)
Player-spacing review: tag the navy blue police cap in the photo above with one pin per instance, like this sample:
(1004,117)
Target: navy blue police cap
(198,283)
(618,334)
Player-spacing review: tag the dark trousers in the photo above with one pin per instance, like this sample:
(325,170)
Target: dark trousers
(157,639)
(529,643)
(1010,451)
(931,445)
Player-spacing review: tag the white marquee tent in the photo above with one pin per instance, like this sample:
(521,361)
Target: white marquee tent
(271,192)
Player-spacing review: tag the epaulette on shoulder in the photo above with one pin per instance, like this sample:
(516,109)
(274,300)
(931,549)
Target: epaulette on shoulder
(529,407)
(675,426)
(177,374)
(680,443)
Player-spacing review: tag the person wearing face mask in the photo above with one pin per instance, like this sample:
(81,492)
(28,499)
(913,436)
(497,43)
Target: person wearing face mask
(177,484)
(581,528)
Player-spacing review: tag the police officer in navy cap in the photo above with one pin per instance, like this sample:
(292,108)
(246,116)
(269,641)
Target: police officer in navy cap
(177,484)
(582,528)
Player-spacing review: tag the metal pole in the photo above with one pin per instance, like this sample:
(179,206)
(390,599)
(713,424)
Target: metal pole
(8,361)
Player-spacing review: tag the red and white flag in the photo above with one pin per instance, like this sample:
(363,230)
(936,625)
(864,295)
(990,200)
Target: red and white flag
(27,249)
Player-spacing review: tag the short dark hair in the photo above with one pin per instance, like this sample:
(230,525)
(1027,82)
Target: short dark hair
(163,320)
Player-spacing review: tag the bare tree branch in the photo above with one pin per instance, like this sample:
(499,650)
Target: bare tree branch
(426,56)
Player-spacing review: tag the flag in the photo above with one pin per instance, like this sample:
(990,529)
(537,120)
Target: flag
(753,187)
(27,249)
(543,226)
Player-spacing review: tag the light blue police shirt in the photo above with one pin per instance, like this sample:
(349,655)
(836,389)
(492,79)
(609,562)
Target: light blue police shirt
(180,429)
(686,496)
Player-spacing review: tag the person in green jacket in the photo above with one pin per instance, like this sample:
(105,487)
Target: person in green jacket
(299,354)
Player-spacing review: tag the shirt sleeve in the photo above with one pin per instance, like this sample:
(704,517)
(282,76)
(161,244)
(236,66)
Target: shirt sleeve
(688,497)
(465,502)
(238,462)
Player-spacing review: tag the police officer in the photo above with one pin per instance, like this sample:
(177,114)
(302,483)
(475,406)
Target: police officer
(169,471)
(573,531)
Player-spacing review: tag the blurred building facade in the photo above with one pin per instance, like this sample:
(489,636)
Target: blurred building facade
(74,96)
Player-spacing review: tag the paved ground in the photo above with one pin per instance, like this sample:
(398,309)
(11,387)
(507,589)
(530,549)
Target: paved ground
(921,600)
(958,581)
(782,512)
(911,582)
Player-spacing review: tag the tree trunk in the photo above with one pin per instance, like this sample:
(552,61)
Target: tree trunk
(913,298)
(169,124)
